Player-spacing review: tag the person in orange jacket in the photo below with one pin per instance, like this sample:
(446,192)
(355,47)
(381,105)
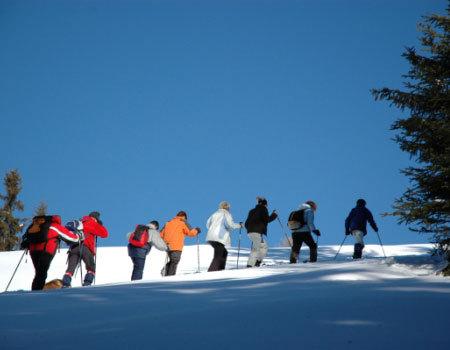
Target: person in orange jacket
(173,234)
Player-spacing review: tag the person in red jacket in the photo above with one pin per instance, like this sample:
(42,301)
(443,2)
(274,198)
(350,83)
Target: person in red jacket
(42,239)
(92,227)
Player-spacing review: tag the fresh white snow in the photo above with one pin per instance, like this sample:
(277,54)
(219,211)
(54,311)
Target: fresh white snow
(376,303)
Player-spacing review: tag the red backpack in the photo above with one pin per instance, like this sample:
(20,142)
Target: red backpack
(139,238)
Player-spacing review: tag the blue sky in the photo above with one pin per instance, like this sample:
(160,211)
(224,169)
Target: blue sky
(140,109)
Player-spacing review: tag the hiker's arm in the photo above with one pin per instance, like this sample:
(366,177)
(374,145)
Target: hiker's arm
(156,240)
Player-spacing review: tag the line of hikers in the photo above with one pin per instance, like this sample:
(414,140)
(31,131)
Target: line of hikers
(44,234)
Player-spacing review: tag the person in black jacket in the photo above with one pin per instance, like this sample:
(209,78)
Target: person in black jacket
(256,225)
(356,225)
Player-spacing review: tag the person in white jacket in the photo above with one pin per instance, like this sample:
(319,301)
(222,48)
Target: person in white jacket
(219,225)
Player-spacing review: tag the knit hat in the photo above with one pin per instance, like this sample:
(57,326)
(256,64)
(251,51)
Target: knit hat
(261,200)
(95,215)
(361,202)
(312,204)
(224,205)
(182,213)
(154,225)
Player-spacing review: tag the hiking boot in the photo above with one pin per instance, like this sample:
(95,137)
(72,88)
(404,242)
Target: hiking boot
(88,279)
(357,253)
(293,258)
(67,281)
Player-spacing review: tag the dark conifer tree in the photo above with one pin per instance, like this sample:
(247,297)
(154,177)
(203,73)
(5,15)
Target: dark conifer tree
(9,224)
(41,209)
(423,131)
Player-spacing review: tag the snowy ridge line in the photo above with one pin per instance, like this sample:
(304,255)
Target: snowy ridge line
(114,265)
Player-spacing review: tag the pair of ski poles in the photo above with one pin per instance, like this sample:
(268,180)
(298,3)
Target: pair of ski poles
(379,239)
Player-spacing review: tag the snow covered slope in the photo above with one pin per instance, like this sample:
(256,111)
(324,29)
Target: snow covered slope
(375,303)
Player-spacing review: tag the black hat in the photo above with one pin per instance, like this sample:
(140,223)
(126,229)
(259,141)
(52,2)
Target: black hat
(95,215)
(155,224)
(182,213)
(261,200)
(361,202)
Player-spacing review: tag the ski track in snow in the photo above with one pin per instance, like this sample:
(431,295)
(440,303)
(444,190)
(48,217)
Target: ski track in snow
(376,303)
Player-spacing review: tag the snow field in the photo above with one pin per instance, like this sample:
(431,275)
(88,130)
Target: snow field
(375,303)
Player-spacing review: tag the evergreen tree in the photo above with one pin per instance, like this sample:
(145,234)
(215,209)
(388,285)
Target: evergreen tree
(41,209)
(425,132)
(9,224)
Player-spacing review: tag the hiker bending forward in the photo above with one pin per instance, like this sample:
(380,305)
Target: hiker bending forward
(173,234)
(140,242)
(92,227)
(42,239)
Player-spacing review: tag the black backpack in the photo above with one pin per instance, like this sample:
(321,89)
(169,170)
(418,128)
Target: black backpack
(296,219)
(37,232)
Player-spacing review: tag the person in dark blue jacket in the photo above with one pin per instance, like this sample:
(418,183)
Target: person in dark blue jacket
(356,225)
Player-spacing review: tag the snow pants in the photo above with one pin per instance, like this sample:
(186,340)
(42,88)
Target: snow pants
(138,268)
(41,262)
(220,257)
(359,244)
(259,249)
(75,259)
(171,266)
(298,238)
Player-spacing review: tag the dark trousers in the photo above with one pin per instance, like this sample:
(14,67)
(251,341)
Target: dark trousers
(41,261)
(171,266)
(138,268)
(220,257)
(298,239)
(74,259)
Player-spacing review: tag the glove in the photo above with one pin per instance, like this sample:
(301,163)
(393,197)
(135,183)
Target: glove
(198,230)
(316,232)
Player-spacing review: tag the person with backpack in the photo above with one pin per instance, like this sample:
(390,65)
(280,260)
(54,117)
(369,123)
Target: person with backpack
(301,224)
(92,227)
(173,234)
(256,224)
(356,225)
(219,225)
(42,239)
(140,242)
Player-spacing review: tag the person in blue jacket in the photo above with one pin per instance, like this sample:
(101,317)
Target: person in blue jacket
(356,225)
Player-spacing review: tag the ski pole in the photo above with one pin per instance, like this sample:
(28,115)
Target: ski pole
(381,244)
(81,262)
(284,232)
(239,247)
(95,260)
(340,247)
(14,273)
(198,254)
